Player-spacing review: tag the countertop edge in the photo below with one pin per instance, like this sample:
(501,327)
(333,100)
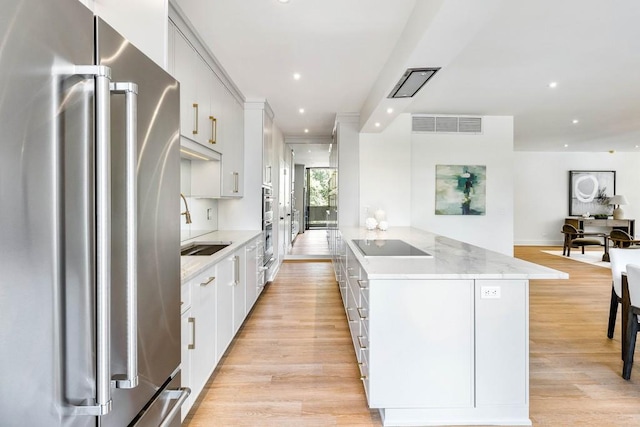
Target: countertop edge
(191,266)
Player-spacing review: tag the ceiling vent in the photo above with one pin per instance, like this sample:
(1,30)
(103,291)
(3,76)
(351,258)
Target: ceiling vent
(446,124)
(411,82)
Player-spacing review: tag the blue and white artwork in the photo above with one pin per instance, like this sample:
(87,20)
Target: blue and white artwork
(461,190)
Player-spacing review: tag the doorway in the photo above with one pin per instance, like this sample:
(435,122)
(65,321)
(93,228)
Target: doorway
(310,195)
(317,198)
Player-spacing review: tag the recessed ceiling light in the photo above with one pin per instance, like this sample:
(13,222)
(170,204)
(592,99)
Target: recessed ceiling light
(575,121)
(283,1)
(637,146)
(377,124)
(306,131)
(301,110)
(389,110)
(566,145)
(296,76)
(553,85)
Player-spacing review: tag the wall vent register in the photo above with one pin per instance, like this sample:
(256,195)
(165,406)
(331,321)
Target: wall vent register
(393,248)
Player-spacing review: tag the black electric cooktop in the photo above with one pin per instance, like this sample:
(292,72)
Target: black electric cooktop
(389,248)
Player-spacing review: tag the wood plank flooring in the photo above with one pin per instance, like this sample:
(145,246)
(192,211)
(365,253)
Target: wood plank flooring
(292,363)
(311,242)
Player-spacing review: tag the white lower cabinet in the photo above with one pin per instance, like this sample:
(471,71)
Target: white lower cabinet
(215,305)
(198,335)
(436,352)
(224,305)
(239,289)
(251,274)
(186,322)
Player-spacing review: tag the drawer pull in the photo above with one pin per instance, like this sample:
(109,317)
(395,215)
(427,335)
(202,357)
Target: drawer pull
(363,377)
(363,284)
(362,346)
(362,316)
(192,346)
(211,279)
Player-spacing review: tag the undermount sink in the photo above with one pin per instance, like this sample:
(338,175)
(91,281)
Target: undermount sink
(203,248)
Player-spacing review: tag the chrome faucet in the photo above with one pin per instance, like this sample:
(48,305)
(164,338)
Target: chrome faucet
(186,213)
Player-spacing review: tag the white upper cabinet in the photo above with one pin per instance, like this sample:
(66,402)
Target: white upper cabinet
(210,114)
(233,158)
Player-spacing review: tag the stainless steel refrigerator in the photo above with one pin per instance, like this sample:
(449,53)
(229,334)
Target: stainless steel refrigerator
(89,224)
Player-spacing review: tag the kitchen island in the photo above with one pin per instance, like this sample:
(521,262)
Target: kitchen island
(441,338)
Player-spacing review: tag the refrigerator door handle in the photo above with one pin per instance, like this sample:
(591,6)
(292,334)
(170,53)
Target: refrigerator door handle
(130,90)
(101,405)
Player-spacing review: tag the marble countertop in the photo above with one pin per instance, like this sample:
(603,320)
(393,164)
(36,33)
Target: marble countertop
(190,266)
(451,259)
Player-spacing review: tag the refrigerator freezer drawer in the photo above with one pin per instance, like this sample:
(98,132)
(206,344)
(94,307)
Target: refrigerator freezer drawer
(164,410)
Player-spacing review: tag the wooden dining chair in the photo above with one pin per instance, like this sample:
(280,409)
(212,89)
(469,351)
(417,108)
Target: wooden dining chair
(574,238)
(622,239)
(619,259)
(633,280)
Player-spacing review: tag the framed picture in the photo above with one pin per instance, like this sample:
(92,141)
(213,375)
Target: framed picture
(461,190)
(590,191)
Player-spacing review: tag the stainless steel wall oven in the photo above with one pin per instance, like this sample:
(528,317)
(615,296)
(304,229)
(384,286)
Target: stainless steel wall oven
(267,224)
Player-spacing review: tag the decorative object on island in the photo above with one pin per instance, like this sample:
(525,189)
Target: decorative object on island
(383,225)
(460,190)
(371,223)
(617,201)
(590,191)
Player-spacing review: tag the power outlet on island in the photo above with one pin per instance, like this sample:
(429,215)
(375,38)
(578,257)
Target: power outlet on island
(490,292)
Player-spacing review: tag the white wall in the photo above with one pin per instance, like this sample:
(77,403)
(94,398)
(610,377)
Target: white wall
(541,181)
(385,172)
(397,175)
(494,149)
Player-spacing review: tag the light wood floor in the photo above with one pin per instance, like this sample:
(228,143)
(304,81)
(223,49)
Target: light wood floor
(311,242)
(292,363)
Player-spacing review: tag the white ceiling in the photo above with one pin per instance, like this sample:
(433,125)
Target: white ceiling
(497,58)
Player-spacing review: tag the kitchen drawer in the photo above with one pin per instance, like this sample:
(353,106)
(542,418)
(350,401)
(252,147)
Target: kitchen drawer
(363,365)
(363,316)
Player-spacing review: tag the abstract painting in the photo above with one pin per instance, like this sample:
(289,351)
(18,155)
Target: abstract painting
(461,190)
(590,191)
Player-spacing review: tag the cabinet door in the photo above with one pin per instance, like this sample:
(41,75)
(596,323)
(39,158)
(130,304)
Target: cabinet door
(233,158)
(251,274)
(267,150)
(185,71)
(421,343)
(204,86)
(224,306)
(218,119)
(187,341)
(203,350)
(239,290)
(502,343)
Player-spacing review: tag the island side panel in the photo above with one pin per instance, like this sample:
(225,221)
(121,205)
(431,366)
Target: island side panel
(502,343)
(421,343)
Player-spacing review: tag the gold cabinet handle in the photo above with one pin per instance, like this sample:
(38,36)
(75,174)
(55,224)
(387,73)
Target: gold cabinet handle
(363,284)
(214,129)
(195,119)
(236,182)
(360,311)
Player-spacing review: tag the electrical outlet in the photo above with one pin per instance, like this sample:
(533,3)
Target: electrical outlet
(490,292)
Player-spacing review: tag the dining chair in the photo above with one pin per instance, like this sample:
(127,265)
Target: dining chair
(622,239)
(619,259)
(574,237)
(633,280)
